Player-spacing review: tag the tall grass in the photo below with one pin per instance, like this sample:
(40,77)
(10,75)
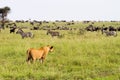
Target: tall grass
(91,56)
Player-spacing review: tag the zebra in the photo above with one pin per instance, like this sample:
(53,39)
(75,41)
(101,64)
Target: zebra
(24,34)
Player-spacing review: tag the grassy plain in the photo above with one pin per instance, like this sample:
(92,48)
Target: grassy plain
(91,56)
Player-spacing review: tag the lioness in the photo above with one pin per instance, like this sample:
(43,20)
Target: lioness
(41,53)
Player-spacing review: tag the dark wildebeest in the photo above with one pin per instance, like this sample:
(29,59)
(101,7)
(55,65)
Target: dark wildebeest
(112,28)
(12,29)
(53,33)
(35,28)
(24,34)
(103,29)
(118,28)
(92,28)
(110,33)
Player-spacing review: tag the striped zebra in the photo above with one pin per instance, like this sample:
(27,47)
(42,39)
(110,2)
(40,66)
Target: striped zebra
(24,34)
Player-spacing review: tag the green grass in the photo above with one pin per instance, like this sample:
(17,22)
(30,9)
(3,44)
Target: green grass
(91,56)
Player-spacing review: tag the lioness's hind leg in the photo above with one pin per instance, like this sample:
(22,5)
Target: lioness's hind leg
(28,59)
(33,60)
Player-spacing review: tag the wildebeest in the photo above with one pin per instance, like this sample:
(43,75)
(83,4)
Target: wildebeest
(104,28)
(35,28)
(12,29)
(24,34)
(53,33)
(92,28)
(111,28)
(40,54)
(110,33)
(118,28)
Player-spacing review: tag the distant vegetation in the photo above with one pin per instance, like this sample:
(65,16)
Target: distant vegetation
(3,14)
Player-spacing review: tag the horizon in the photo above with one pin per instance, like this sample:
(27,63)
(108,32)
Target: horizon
(51,10)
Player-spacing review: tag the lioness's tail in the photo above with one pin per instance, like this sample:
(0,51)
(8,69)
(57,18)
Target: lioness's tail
(28,55)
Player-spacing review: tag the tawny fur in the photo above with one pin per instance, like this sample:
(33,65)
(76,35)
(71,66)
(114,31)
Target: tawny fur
(41,53)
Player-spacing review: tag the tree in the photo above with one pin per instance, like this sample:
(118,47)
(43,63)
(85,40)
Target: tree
(3,14)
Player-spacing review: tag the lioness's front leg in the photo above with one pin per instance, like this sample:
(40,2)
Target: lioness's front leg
(42,59)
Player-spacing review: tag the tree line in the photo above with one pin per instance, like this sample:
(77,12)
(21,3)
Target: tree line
(3,15)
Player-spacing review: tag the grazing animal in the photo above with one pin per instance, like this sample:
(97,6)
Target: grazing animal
(92,28)
(35,28)
(118,28)
(104,28)
(12,29)
(110,33)
(112,28)
(53,33)
(40,54)
(24,34)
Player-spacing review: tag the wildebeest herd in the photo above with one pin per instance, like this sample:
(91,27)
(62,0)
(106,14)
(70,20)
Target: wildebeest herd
(54,30)
(109,31)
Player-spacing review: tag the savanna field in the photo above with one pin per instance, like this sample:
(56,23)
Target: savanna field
(77,55)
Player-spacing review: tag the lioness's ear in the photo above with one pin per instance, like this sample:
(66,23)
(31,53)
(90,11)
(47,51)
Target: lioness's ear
(51,47)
